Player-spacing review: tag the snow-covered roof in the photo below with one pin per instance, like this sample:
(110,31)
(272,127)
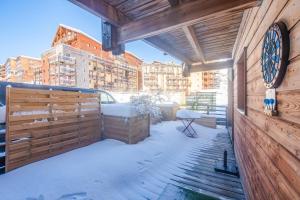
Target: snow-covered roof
(91,37)
(29,57)
(79,31)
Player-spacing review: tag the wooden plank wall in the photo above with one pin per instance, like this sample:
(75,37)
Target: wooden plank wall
(268,148)
(44,123)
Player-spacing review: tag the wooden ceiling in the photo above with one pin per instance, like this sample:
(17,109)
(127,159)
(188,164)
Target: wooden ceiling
(194,31)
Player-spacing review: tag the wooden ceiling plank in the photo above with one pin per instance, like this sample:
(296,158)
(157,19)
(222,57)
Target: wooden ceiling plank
(218,41)
(185,14)
(219,22)
(218,46)
(216,29)
(194,42)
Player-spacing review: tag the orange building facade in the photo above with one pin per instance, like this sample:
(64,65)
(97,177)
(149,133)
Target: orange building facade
(25,69)
(2,72)
(211,80)
(20,69)
(9,69)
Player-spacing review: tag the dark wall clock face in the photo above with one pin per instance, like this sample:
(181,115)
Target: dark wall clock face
(275,54)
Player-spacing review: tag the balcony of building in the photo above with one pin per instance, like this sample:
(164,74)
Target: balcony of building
(62,59)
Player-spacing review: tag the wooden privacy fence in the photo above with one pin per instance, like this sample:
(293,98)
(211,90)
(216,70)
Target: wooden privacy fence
(44,123)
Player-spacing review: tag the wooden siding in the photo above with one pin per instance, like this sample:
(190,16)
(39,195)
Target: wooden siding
(44,123)
(130,130)
(268,148)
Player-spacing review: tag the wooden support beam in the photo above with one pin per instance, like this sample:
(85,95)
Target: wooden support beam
(161,44)
(212,66)
(193,40)
(102,9)
(185,14)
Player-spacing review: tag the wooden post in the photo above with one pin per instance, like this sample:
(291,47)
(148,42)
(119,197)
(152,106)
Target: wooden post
(51,117)
(7,134)
(207,109)
(149,124)
(79,117)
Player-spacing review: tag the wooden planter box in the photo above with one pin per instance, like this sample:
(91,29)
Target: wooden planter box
(130,130)
(207,121)
(169,112)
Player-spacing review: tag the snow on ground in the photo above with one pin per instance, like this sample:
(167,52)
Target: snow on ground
(108,169)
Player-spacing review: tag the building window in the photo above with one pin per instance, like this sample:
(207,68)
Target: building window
(242,82)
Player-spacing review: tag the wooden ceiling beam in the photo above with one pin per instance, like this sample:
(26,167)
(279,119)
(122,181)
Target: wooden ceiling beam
(212,66)
(194,42)
(185,14)
(104,10)
(163,46)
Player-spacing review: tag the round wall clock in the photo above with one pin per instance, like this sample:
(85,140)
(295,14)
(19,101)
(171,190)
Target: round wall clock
(275,54)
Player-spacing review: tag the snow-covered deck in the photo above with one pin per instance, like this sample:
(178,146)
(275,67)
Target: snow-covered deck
(113,170)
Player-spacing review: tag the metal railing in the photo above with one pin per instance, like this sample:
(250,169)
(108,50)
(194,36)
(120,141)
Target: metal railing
(220,112)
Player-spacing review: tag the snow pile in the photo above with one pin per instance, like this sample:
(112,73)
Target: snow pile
(108,169)
(167,104)
(123,97)
(119,109)
(183,113)
(144,104)
(33,112)
(39,121)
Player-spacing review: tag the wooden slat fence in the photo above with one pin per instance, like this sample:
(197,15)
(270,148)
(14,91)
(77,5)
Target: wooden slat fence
(44,123)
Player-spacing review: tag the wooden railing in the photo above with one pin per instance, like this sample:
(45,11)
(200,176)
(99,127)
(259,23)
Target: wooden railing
(44,123)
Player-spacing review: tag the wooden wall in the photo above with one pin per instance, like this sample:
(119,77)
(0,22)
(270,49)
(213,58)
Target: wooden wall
(44,123)
(268,148)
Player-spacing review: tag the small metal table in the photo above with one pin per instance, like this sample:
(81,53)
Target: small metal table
(187,122)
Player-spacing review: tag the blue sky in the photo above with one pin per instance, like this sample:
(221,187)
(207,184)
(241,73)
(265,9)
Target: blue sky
(28,27)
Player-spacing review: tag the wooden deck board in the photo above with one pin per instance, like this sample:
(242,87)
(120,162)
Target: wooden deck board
(199,175)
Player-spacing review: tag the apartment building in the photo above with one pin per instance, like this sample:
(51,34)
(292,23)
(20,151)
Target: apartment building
(164,77)
(196,81)
(2,72)
(211,79)
(9,69)
(20,69)
(77,59)
(25,69)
